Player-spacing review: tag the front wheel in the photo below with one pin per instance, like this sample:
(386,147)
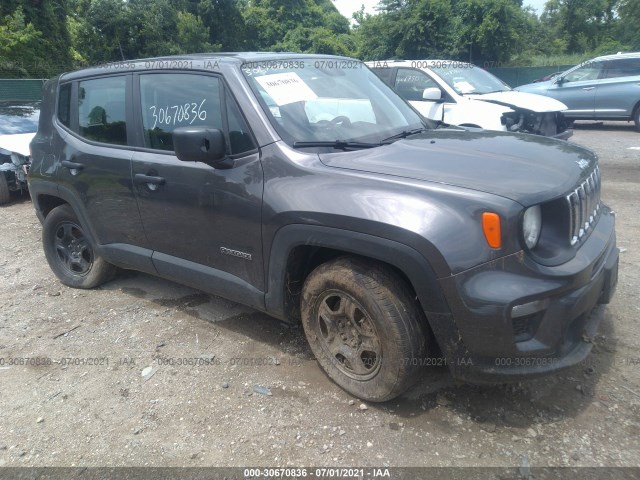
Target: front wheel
(364,328)
(636,118)
(70,253)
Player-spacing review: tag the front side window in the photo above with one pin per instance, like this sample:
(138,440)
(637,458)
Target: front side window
(172,100)
(411,83)
(588,71)
(102,113)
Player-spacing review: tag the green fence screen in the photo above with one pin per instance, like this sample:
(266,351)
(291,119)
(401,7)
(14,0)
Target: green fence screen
(17,89)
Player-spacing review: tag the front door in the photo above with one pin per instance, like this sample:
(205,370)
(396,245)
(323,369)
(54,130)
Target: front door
(203,223)
(577,90)
(410,84)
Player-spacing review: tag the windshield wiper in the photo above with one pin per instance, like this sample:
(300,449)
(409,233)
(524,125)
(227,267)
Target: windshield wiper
(403,134)
(337,144)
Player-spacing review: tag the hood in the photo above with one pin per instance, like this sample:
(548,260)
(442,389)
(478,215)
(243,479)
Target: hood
(527,101)
(528,169)
(538,88)
(18,143)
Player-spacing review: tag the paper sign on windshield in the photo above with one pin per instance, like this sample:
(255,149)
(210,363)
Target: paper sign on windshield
(285,88)
(465,87)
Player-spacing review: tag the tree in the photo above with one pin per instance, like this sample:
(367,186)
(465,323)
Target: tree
(20,51)
(629,20)
(193,35)
(491,29)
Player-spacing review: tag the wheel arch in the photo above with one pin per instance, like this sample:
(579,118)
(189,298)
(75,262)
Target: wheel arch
(298,249)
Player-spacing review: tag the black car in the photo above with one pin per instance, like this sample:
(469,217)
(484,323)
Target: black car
(304,187)
(18,125)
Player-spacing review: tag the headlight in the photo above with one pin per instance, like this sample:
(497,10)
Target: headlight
(531,226)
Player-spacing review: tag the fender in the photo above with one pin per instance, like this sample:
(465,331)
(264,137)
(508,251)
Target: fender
(417,269)
(121,255)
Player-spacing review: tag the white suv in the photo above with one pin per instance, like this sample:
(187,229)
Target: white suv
(460,93)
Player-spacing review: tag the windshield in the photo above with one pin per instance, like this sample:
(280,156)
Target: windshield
(18,118)
(470,79)
(329,100)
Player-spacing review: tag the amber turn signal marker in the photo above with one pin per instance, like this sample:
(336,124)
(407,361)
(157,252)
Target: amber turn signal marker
(491,228)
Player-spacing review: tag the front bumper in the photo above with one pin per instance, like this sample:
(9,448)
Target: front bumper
(568,133)
(513,318)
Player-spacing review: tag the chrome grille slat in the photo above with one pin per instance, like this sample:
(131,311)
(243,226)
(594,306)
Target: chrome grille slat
(584,205)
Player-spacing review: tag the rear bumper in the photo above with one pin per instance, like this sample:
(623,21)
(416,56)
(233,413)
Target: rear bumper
(513,319)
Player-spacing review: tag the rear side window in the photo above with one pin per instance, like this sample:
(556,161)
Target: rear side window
(175,100)
(64,105)
(628,67)
(102,112)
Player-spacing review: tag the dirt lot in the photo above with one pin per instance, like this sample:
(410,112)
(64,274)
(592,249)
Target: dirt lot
(91,405)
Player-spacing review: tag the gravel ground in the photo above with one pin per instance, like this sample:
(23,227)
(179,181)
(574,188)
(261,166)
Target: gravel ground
(92,406)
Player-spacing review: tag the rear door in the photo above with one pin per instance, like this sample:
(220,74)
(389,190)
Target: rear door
(94,169)
(619,90)
(203,223)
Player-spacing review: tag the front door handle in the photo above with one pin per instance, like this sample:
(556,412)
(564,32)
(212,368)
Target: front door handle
(150,180)
(588,88)
(72,165)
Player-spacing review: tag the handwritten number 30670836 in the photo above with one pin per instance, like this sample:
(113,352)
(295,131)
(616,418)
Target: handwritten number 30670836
(171,115)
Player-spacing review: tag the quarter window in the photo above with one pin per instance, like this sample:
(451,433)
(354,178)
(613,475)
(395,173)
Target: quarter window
(102,113)
(64,102)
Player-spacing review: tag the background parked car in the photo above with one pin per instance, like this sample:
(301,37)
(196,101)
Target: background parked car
(18,125)
(605,88)
(460,93)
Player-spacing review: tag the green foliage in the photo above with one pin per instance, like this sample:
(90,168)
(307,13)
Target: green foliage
(19,45)
(193,35)
(42,38)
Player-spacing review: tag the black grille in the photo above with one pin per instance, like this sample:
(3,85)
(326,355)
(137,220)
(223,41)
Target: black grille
(584,206)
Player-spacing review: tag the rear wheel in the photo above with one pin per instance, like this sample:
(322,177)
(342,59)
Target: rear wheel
(364,328)
(5,195)
(70,253)
(636,118)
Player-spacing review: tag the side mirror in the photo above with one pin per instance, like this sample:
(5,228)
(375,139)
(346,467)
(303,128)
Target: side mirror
(559,80)
(432,94)
(199,144)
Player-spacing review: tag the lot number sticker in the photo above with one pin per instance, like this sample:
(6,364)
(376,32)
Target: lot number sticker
(285,88)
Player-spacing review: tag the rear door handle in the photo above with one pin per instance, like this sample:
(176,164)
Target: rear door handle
(140,178)
(588,88)
(72,165)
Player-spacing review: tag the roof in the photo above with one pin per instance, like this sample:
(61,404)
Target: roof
(195,61)
(619,55)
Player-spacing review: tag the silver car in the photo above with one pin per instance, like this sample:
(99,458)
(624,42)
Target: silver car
(605,88)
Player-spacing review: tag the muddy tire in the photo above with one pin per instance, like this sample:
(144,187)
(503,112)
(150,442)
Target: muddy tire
(5,195)
(364,328)
(70,253)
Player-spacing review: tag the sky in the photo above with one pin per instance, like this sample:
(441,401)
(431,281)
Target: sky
(347,7)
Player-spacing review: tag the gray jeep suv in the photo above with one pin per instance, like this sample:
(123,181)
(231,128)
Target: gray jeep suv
(304,187)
